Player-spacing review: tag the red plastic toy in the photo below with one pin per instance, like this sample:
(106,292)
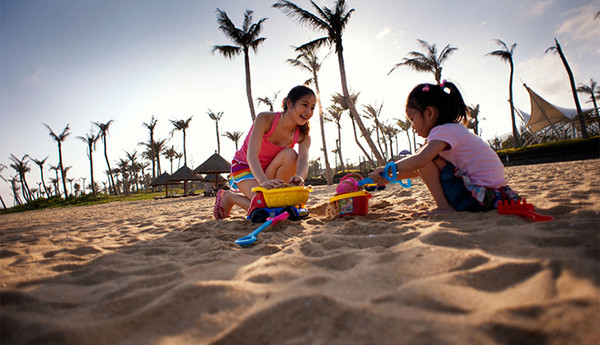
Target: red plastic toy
(521,208)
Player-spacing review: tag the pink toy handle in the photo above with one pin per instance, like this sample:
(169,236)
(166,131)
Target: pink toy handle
(278,218)
(351,180)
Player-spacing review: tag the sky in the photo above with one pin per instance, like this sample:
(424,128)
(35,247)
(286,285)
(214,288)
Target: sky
(81,61)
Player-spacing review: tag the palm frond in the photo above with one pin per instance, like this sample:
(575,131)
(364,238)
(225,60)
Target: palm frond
(303,16)
(228,51)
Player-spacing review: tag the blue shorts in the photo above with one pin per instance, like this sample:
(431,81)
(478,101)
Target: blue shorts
(456,192)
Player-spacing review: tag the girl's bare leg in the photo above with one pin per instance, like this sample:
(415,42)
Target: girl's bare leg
(430,174)
(282,167)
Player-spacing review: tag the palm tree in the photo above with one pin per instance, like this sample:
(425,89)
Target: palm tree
(339,100)
(506,55)
(59,139)
(170,154)
(150,127)
(66,170)
(430,61)
(373,112)
(557,49)
(22,168)
(2,167)
(270,102)
(102,134)
(391,132)
(405,126)
(158,147)
(244,39)
(181,125)
(234,136)
(55,181)
(308,60)
(41,163)
(334,114)
(594,93)
(15,189)
(216,117)
(332,22)
(132,157)
(472,118)
(90,139)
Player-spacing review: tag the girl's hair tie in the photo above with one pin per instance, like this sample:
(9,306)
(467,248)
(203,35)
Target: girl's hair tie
(443,83)
(425,88)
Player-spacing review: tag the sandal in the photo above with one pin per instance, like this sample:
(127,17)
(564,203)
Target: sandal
(218,211)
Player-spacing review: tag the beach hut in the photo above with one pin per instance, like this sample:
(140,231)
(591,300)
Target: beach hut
(185,174)
(214,165)
(163,180)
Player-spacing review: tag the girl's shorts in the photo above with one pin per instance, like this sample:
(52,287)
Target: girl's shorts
(240,171)
(463,195)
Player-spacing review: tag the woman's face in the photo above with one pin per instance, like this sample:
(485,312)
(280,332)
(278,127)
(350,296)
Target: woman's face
(304,108)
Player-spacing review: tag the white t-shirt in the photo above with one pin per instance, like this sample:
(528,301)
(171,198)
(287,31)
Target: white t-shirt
(470,155)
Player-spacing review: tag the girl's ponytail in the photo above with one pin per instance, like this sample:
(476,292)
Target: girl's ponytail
(446,98)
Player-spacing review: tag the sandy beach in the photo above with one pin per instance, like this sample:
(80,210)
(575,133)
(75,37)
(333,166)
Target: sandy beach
(165,272)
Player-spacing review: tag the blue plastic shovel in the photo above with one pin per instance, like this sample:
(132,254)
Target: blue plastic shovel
(251,238)
(389,174)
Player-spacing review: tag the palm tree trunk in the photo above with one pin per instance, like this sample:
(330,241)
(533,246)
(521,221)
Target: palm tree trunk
(584,132)
(517,142)
(184,150)
(352,107)
(3,204)
(328,173)
(408,137)
(92,172)
(339,147)
(62,170)
(218,140)
(27,187)
(358,142)
(249,84)
(43,182)
(110,173)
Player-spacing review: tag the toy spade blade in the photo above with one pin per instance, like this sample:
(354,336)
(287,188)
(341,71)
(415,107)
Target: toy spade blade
(251,238)
(521,208)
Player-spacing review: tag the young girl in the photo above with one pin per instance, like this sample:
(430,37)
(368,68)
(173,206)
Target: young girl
(460,170)
(267,157)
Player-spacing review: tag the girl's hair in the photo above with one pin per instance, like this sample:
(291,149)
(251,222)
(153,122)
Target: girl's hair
(444,97)
(294,95)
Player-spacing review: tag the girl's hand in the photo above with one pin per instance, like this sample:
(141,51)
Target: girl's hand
(376,176)
(297,180)
(274,183)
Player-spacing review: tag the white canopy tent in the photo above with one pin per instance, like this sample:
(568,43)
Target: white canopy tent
(544,114)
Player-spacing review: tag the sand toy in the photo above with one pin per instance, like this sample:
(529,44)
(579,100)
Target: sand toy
(390,174)
(521,208)
(272,202)
(251,238)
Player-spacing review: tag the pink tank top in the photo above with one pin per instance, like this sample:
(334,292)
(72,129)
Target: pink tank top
(268,150)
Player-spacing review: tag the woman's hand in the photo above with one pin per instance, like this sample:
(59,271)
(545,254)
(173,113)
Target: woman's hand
(297,180)
(377,177)
(274,183)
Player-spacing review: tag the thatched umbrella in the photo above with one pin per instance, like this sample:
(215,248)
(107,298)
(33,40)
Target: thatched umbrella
(163,180)
(185,174)
(214,165)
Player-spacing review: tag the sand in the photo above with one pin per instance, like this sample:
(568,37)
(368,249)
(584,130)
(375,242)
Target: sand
(165,272)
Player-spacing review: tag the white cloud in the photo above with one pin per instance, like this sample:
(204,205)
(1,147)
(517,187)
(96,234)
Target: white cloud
(35,77)
(547,76)
(381,34)
(580,27)
(538,8)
